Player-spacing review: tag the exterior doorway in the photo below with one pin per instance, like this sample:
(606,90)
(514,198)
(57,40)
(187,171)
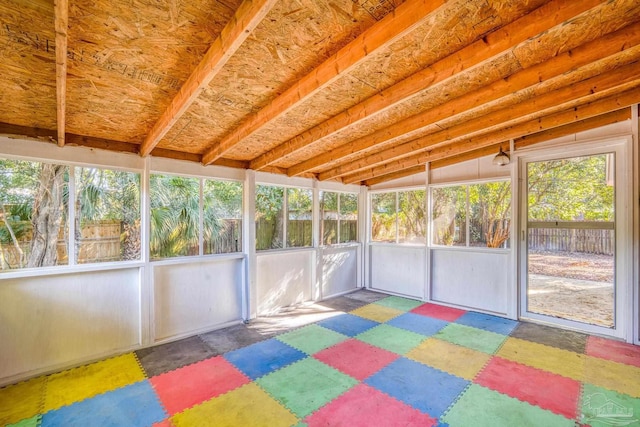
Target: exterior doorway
(573,263)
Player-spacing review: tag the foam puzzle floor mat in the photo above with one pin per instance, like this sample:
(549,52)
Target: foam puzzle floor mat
(377,361)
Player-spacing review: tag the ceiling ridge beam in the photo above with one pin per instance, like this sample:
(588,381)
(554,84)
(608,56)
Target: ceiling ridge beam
(589,109)
(61,27)
(244,21)
(404,19)
(497,42)
(569,96)
(520,79)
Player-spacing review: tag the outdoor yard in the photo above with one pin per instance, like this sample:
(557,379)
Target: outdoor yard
(575,286)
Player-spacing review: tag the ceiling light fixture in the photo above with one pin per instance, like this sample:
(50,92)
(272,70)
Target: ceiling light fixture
(501,158)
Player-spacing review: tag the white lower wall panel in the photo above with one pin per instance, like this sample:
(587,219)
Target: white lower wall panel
(339,270)
(399,269)
(53,321)
(283,279)
(478,280)
(193,297)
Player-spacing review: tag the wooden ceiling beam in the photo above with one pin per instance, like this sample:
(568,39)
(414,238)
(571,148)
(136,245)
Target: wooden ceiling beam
(498,42)
(525,141)
(571,115)
(572,93)
(404,19)
(537,77)
(244,21)
(61,26)
(573,128)
(16,131)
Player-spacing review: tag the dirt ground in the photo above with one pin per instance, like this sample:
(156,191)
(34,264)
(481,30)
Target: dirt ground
(571,285)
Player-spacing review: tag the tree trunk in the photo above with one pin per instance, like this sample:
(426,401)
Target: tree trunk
(47,216)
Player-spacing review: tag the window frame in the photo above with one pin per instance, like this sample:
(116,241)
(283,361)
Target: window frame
(285,216)
(397,192)
(466,247)
(339,219)
(201,179)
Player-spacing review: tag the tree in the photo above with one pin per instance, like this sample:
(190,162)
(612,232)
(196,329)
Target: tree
(47,216)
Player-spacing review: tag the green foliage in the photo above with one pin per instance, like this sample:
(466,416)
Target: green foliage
(571,189)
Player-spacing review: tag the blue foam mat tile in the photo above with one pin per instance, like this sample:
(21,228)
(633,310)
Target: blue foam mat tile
(422,325)
(487,322)
(424,388)
(348,324)
(133,405)
(264,357)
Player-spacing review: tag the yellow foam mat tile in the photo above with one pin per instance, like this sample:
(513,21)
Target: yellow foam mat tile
(378,313)
(456,360)
(247,406)
(87,381)
(561,362)
(613,376)
(21,401)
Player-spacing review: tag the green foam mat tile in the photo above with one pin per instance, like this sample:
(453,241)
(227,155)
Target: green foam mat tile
(481,407)
(390,338)
(306,385)
(399,303)
(473,338)
(311,339)
(605,408)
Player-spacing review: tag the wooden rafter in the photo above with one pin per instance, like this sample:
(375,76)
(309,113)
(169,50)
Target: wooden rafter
(510,114)
(499,42)
(61,25)
(571,115)
(576,127)
(246,18)
(536,76)
(400,22)
(525,141)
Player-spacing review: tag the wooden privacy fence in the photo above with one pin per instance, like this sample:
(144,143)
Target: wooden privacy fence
(572,240)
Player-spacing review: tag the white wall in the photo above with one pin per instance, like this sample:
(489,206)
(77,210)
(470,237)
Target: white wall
(196,296)
(53,321)
(339,266)
(398,269)
(474,279)
(284,278)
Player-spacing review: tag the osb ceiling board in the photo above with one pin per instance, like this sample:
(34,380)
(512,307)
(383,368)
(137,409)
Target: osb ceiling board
(295,37)
(128,59)
(448,30)
(565,37)
(434,80)
(27,64)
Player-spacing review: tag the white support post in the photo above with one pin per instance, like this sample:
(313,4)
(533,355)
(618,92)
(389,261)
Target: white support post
(147,321)
(316,273)
(249,290)
(635,152)
(363,237)
(427,273)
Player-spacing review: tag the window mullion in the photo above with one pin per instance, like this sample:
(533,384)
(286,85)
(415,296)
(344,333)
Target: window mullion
(201,218)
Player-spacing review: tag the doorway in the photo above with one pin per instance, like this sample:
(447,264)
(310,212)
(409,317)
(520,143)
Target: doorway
(573,270)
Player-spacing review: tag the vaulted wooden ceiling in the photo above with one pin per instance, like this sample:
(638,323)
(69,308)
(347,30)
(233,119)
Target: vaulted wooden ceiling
(359,91)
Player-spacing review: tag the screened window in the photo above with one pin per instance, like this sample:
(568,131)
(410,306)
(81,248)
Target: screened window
(339,214)
(34,201)
(222,211)
(398,217)
(299,217)
(283,212)
(107,215)
(175,216)
(477,215)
